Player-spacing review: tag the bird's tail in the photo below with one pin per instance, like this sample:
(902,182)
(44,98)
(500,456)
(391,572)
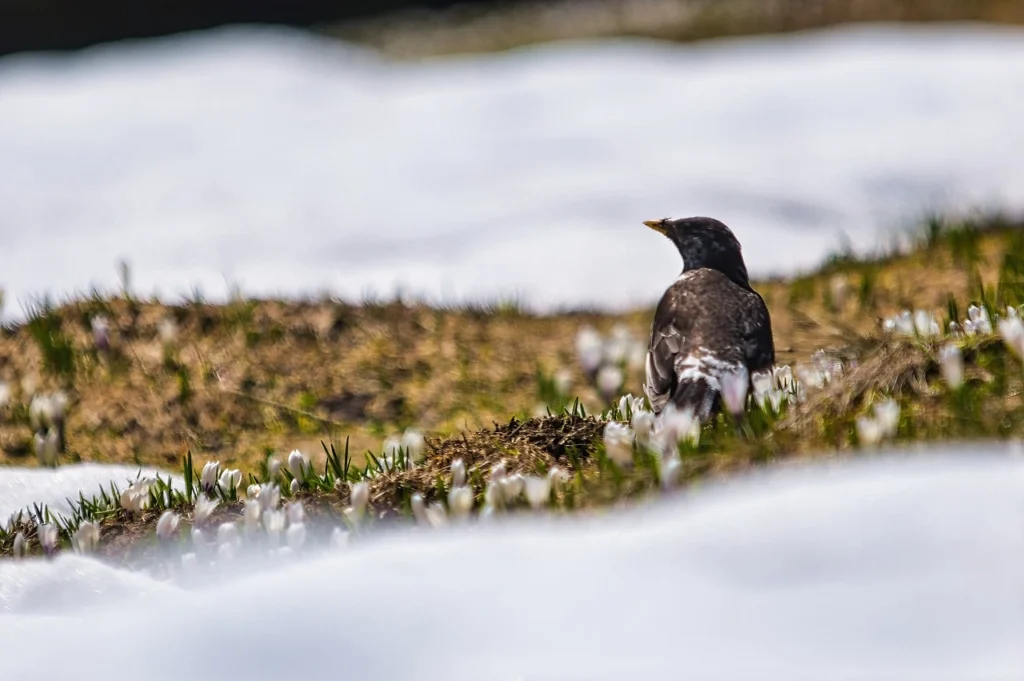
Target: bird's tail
(698,396)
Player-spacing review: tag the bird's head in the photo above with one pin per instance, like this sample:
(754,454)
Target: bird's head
(705,242)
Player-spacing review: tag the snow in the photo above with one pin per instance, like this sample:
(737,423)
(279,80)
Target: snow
(887,567)
(20,488)
(285,163)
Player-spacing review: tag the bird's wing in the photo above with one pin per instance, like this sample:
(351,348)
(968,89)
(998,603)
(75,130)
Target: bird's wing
(667,340)
(758,344)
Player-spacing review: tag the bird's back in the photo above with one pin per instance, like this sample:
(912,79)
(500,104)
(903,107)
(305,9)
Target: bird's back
(705,326)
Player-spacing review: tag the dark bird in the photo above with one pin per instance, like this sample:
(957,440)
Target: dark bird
(709,322)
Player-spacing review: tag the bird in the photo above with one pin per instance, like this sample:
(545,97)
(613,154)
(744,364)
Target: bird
(709,323)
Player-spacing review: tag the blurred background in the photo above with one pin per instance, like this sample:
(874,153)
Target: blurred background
(486,151)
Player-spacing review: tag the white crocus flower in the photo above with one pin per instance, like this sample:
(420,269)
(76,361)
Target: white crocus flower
(273,468)
(538,491)
(294,487)
(763,383)
(273,525)
(618,443)
(869,431)
(269,496)
(252,491)
(297,464)
(559,478)
(671,471)
(460,501)
(979,319)
(167,525)
(887,413)
(230,479)
(589,349)
(86,537)
(493,495)
(47,447)
(905,323)
(100,332)
(951,361)
(675,426)
(419,508)
(295,512)
(415,445)
(734,389)
(511,487)
(925,324)
(498,471)
(47,535)
(208,478)
(135,498)
(1012,331)
(563,381)
(251,516)
(783,378)
(458,473)
(360,497)
(19,544)
(609,381)
(390,449)
(167,331)
(643,426)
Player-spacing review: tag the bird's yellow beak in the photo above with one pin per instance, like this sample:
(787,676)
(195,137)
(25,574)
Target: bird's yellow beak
(657,225)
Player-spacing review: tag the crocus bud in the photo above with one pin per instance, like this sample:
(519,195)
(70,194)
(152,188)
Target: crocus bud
(734,389)
(294,486)
(589,349)
(415,445)
(951,361)
(419,508)
(360,497)
(511,487)
(538,491)
(458,473)
(251,515)
(671,471)
(230,479)
(101,333)
(273,525)
(887,413)
(869,431)
(297,464)
(208,478)
(86,537)
(609,381)
(48,538)
(296,514)
(460,501)
(19,545)
(618,443)
(167,525)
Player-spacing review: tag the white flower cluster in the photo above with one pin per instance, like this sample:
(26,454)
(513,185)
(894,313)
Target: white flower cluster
(230,479)
(46,416)
(881,424)
(411,444)
(605,360)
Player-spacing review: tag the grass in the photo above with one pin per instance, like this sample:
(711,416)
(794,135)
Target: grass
(490,385)
(494,27)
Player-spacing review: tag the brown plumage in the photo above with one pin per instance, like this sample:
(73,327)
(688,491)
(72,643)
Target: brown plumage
(708,323)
